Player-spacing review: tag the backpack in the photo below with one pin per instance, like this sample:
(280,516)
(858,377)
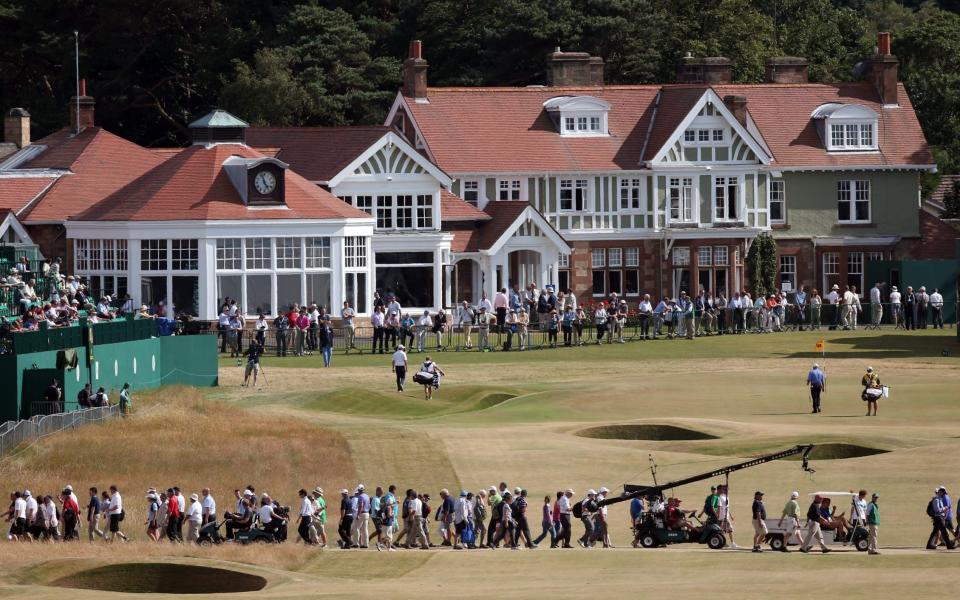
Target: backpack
(931,511)
(578,510)
(469,535)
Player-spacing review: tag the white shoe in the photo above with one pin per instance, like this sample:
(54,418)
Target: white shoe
(735,546)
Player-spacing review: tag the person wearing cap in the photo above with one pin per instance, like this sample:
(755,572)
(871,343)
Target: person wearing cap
(318,525)
(494,499)
(398,363)
(873,523)
(896,308)
(817,382)
(870,380)
(909,308)
(759,515)
(833,298)
(939,510)
(346,520)
(923,301)
(588,507)
(520,506)
(194,518)
(153,511)
(791,512)
(462,519)
(710,506)
(814,521)
(600,524)
(360,533)
(70,510)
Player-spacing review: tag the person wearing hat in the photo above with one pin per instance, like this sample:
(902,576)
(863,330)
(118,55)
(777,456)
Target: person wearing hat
(601,530)
(923,301)
(710,505)
(360,532)
(588,507)
(194,518)
(833,298)
(346,520)
(870,381)
(939,510)
(398,363)
(462,519)
(70,510)
(759,515)
(873,523)
(318,525)
(242,519)
(814,521)
(896,308)
(791,512)
(817,381)
(153,511)
(909,309)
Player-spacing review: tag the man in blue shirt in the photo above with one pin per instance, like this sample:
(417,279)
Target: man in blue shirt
(636,515)
(818,384)
(800,299)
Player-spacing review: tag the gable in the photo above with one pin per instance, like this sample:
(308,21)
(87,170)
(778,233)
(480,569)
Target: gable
(710,133)
(388,159)
(12,232)
(528,229)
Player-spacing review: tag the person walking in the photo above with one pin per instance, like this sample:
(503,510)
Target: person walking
(588,507)
(724,514)
(280,325)
(377,321)
(307,509)
(871,390)
(361,524)
(937,510)
(759,515)
(94,511)
(194,518)
(325,339)
(813,528)
(791,512)
(817,382)
(398,363)
(253,363)
(116,514)
(431,367)
(153,513)
(873,524)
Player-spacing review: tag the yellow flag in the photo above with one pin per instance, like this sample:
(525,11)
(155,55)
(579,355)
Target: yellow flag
(819,346)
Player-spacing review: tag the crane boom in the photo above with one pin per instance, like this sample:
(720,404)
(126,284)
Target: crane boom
(634,491)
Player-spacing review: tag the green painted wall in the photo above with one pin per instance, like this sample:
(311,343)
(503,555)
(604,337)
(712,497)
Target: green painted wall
(812,204)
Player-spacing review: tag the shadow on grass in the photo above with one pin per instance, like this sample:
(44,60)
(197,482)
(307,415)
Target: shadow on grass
(893,345)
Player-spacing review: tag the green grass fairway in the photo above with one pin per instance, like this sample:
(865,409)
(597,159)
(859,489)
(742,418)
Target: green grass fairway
(544,420)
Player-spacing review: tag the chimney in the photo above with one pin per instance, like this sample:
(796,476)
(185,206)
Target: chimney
(82,117)
(738,106)
(574,69)
(787,69)
(415,72)
(16,127)
(883,70)
(710,70)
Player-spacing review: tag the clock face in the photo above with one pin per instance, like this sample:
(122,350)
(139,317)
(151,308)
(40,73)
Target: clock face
(265,182)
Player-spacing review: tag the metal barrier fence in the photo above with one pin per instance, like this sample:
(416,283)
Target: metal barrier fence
(457,338)
(15,433)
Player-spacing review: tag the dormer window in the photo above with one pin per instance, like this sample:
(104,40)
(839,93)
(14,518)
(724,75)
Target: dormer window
(846,127)
(579,115)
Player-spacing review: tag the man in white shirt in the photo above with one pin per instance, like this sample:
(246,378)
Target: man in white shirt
(833,298)
(462,515)
(346,318)
(847,308)
(723,514)
(936,305)
(645,310)
(485,303)
(565,508)
(269,520)
(115,513)
(465,316)
(209,507)
(394,306)
(398,363)
(307,509)
(182,505)
(876,308)
(895,306)
(194,518)
(424,325)
(18,530)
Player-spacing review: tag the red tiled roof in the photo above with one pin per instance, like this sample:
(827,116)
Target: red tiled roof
(465,240)
(17,192)
(503,214)
(100,163)
(509,131)
(166,152)
(782,113)
(317,153)
(453,208)
(194,186)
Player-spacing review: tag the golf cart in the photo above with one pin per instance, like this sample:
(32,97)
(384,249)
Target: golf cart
(653,532)
(856,535)
(210,534)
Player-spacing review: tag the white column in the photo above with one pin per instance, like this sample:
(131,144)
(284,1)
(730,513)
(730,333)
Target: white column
(437,278)
(207,289)
(337,275)
(448,288)
(489,266)
(133,271)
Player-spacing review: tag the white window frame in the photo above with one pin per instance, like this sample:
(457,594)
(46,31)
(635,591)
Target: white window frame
(721,256)
(230,255)
(631,257)
(258,257)
(787,271)
(705,256)
(705,136)
(777,194)
(598,258)
(289,251)
(573,185)
(184,250)
(615,257)
(587,123)
(852,192)
(470,186)
(148,264)
(510,189)
(355,252)
(681,256)
(723,187)
(633,192)
(686,200)
(846,135)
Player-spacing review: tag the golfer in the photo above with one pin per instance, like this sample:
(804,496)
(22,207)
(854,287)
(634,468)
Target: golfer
(871,390)
(429,366)
(818,384)
(791,512)
(399,365)
(253,362)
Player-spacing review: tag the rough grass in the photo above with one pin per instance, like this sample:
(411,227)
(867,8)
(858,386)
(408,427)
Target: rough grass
(176,437)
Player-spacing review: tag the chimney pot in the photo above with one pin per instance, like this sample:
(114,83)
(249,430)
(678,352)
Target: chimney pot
(416,49)
(83,87)
(883,43)
(81,110)
(16,127)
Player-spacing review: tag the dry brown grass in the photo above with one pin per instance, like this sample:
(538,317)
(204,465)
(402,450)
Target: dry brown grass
(177,437)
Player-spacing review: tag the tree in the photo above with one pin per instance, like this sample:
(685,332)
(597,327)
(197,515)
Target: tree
(951,203)
(762,266)
(267,93)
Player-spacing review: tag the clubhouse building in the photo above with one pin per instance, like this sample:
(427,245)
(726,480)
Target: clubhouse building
(599,188)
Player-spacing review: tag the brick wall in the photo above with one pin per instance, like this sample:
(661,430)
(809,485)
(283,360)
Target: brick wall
(52,241)
(937,240)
